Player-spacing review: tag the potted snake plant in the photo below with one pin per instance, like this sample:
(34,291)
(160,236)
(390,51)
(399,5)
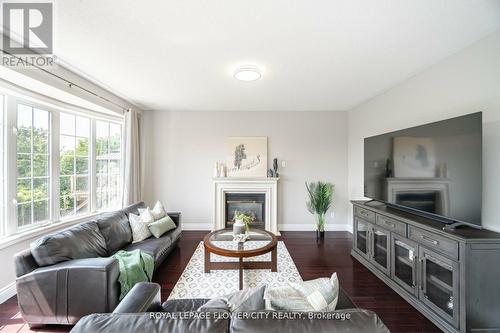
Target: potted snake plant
(320,200)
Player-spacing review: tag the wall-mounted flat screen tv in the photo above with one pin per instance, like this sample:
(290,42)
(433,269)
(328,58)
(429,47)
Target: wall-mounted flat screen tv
(433,170)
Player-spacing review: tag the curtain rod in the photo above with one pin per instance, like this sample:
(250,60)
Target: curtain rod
(70,84)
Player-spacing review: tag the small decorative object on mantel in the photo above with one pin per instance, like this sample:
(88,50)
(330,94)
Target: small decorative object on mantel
(270,173)
(275,167)
(320,200)
(220,170)
(216,169)
(240,238)
(241,223)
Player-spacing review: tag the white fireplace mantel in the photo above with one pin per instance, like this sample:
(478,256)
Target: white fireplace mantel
(267,186)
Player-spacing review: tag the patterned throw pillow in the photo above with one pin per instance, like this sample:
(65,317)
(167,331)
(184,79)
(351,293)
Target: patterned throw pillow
(140,225)
(286,298)
(322,294)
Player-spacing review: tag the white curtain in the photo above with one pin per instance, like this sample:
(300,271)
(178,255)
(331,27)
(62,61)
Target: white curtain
(132,175)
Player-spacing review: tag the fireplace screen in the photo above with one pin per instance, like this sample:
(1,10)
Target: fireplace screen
(252,204)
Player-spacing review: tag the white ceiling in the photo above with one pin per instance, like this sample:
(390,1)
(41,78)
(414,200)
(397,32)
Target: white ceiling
(314,55)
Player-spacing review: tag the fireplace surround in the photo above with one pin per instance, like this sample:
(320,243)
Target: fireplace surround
(257,196)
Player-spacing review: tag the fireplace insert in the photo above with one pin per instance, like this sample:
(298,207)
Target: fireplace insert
(252,204)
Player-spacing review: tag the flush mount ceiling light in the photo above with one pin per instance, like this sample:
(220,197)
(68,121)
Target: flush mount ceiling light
(247,74)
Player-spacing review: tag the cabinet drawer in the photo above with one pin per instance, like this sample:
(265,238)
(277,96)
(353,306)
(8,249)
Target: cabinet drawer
(441,244)
(365,214)
(391,224)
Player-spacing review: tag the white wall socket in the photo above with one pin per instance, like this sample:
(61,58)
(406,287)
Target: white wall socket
(283,164)
(332,214)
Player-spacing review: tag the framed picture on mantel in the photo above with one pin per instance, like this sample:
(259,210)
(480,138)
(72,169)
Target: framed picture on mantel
(247,156)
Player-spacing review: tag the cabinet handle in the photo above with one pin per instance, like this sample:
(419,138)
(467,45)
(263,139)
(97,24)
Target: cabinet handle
(429,240)
(422,281)
(368,243)
(392,224)
(414,275)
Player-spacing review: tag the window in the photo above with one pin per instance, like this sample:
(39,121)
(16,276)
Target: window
(74,139)
(108,164)
(57,163)
(33,169)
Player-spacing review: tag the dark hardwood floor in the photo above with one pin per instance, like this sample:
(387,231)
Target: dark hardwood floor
(312,260)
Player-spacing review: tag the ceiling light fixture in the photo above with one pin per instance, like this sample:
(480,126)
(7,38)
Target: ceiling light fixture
(247,74)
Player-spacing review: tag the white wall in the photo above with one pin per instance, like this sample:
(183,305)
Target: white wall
(184,146)
(466,82)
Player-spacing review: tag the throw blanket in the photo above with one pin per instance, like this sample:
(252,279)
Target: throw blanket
(135,266)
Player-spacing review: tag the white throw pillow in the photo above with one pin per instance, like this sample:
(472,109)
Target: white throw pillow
(158,211)
(140,225)
(322,294)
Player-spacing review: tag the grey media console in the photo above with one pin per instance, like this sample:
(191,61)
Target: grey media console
(452,277)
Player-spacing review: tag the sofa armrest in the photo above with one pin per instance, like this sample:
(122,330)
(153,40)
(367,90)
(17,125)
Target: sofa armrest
(69,290)
(143,297)
(176,217)
(24,263)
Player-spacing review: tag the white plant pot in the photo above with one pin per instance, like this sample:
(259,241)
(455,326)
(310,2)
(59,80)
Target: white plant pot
(239,227)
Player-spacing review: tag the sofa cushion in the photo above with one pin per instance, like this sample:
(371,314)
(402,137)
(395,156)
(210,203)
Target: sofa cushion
(78,242)
(134,209)
(115,228)
(360,321)
(153,246)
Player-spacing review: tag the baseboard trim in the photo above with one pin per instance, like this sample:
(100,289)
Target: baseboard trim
(7,292)
(312,227)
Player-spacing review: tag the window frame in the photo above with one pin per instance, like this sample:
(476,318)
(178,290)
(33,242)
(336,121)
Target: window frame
(50,173)
(9,223)
(75,156)
(108,164)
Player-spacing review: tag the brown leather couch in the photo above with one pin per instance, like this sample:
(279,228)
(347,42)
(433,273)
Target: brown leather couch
(69,274)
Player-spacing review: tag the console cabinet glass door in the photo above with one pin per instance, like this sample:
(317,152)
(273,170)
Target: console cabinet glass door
(439,284)
(363,237)
(404,263)
(381,248)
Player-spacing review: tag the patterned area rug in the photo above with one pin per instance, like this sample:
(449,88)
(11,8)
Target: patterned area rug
(194,283)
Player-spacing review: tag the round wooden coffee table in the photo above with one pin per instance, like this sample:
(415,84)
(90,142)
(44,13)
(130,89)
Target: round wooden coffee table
(260,242)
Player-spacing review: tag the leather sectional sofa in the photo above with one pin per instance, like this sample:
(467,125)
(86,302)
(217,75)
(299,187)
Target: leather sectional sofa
(141,311)
(69,274)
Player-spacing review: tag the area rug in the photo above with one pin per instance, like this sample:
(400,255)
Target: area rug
(195,283)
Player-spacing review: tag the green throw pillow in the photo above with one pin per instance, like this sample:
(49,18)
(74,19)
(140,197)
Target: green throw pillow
(161,226)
